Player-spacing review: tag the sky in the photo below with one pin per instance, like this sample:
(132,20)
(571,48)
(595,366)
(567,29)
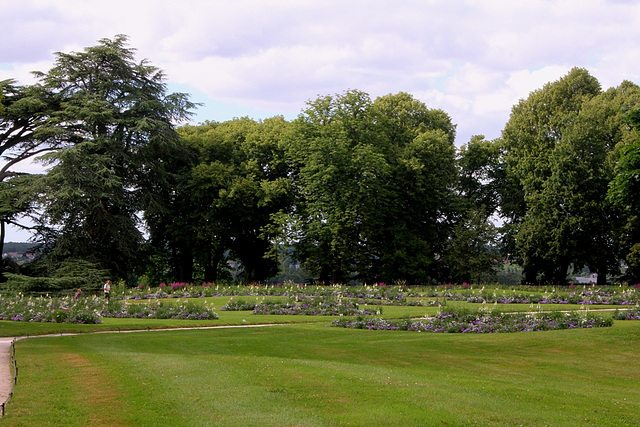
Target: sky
(473,59)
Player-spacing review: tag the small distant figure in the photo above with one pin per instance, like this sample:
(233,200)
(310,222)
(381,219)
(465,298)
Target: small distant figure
(78,293)
(107,289)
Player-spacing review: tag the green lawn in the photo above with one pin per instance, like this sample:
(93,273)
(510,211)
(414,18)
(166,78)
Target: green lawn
(313,375)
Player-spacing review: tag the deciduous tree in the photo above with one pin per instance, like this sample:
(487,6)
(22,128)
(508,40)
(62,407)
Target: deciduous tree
(558,147)
(624,193)
(373,180)
(239,181)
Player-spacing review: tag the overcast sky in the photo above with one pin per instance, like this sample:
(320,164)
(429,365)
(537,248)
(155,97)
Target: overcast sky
(256,58)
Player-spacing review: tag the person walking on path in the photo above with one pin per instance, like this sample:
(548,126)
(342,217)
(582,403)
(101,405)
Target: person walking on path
(107,288)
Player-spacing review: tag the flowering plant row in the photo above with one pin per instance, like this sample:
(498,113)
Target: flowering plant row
(186,310)
(633,314)
(465,321)
(313,307)
(587,295)
(239,305)
(92,309)
(398,295)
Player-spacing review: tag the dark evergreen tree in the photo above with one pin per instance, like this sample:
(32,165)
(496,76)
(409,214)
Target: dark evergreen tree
(118,122)
(23,111)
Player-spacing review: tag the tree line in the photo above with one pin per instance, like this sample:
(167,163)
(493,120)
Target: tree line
(353,189)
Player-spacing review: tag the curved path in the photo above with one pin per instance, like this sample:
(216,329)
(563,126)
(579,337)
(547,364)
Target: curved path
(6,377)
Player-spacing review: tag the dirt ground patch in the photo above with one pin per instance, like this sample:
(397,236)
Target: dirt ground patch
(99,391)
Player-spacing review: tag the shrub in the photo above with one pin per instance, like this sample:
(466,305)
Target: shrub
(481,321)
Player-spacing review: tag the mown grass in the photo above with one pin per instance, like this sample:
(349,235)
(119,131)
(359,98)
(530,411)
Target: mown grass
(312,375)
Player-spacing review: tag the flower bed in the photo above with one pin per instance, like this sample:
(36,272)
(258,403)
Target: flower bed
(465,321)
(313,307)
(57,310)
(397,295)
(239,305)
(185,310)
(633,314)
(92,309)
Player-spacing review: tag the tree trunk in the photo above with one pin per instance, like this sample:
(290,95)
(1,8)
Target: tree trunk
(2,232)
(530,276)
(601,270)
(211,268)
(183,265)
(561,274)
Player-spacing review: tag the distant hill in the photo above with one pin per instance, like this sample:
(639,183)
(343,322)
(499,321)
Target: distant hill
(20,247)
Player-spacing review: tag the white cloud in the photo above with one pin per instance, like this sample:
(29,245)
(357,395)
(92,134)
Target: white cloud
(473,58)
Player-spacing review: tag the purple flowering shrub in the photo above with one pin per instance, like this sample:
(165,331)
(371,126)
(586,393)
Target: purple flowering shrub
(633,314)
(48,309)
(91,309)
(313,307)
(479,321)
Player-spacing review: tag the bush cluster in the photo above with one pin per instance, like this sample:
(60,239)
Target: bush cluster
(313,306)
(92,309)
(481,321)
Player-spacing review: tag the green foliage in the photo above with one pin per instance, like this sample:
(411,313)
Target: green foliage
(239,181)
(509,274)
(623,193)
(26,284)
(68,275)
(118,125)
(23,111)
(471,253)
(481,173)
(372,180)
(92,275)
(625,186)
(559,144)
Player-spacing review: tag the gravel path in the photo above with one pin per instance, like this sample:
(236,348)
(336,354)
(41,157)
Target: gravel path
(6,378)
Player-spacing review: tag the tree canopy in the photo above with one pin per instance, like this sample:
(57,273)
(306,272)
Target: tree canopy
(353,190)
(118,124)
(23,112)
(558,146)
(372,181)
